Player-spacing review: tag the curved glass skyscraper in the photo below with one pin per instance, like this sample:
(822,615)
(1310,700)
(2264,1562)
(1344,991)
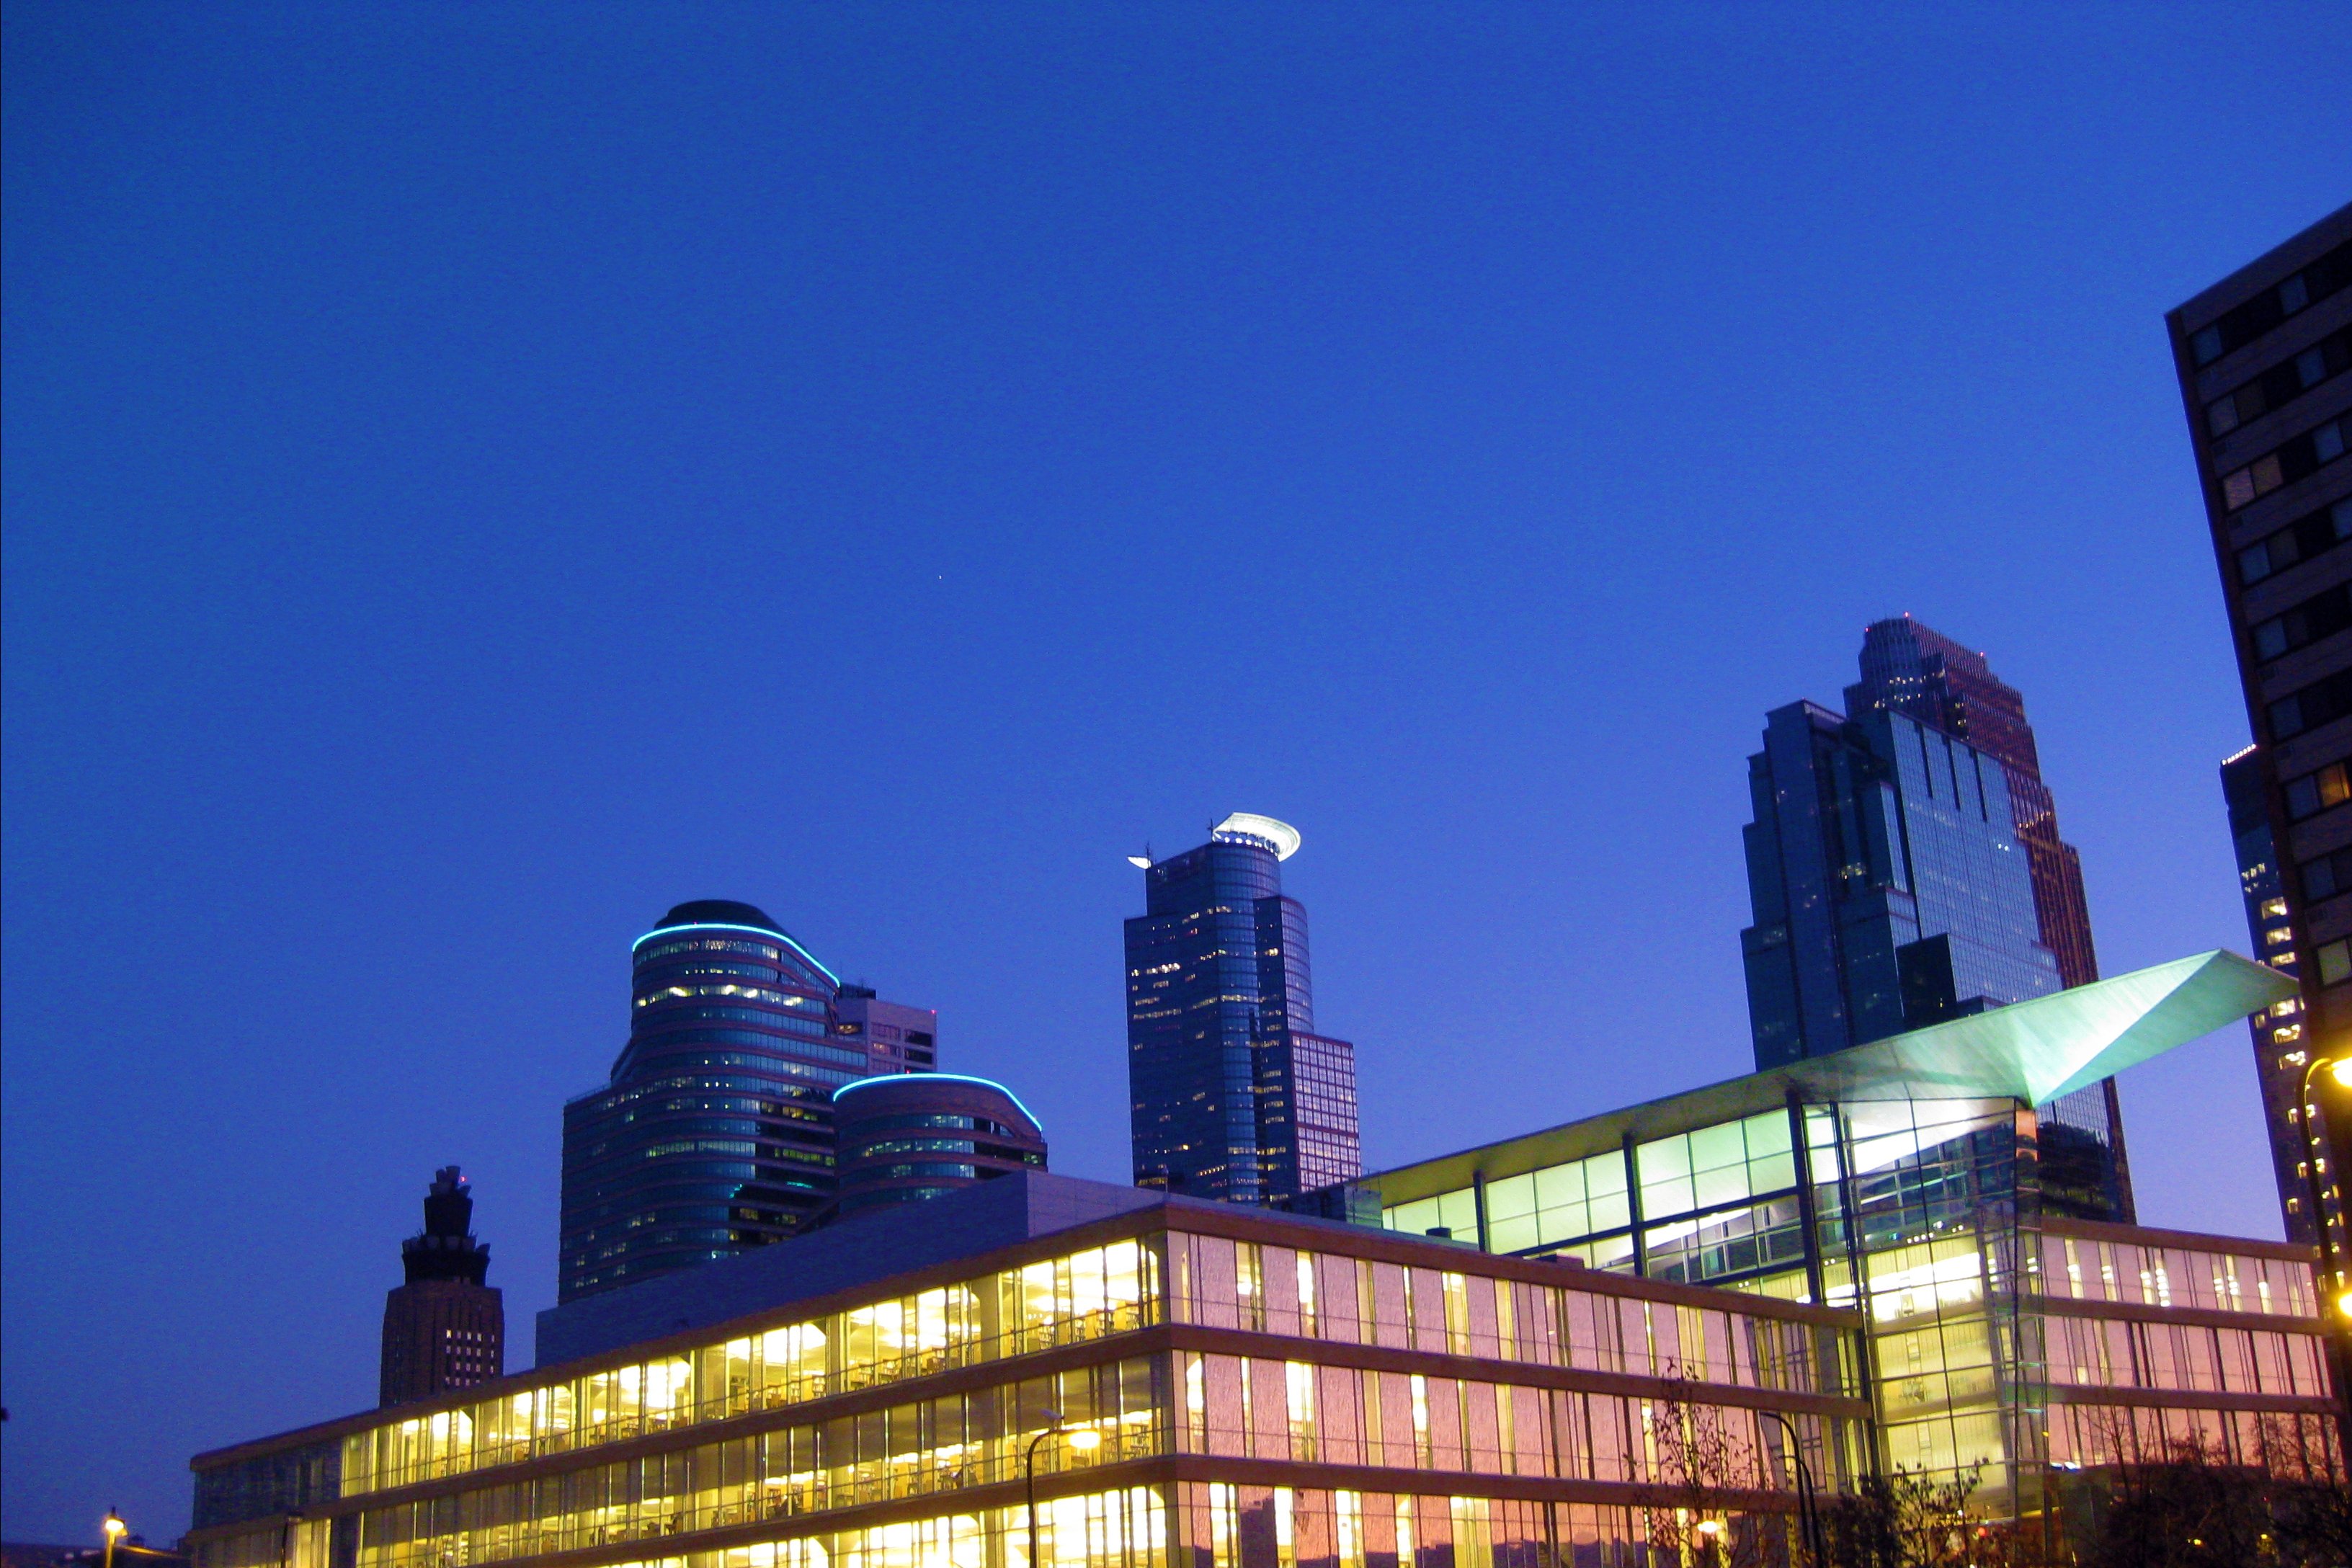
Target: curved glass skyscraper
(715,1132)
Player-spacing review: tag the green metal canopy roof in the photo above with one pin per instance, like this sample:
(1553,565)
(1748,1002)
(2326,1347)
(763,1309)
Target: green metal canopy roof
(2031,1051)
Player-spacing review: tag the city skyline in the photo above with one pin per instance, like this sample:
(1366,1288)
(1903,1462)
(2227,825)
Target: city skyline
(448,458)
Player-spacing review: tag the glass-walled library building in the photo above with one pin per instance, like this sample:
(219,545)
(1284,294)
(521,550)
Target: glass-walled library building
(1187,1383)
(1898,1179)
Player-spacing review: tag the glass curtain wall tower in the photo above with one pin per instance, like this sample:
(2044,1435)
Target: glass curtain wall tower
(715,1132)
(1910,669)
(1234,1095)
(1890,892)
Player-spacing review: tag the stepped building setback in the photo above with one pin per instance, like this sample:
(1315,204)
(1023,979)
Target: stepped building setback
(444,1327)
(1233,1095)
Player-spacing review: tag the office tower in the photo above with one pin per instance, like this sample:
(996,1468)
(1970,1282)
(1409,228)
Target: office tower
(715,1134)
(2262,358)
(1888,887)
(444,1327)
(1234,1095)
(911,1136)
(2277,1030)
(1913,670)
(896,1038)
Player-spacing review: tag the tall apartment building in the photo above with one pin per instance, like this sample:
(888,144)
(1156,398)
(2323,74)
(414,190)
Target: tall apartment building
(444,1327)
(2262,358)
(715,1132)
(1911,669)
(1890,892)
(1234,1095)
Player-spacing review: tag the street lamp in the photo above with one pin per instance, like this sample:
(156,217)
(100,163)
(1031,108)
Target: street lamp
(1029,1477)
(2331,1277)
(114,1527)
(1808,1513)
(1084,1440)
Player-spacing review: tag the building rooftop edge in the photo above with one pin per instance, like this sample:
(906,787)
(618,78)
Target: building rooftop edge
(2033,1051)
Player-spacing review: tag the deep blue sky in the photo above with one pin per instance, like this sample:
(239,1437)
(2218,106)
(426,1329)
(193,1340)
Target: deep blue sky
(478,475)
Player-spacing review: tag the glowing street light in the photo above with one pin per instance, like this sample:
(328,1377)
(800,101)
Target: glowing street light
(114,1529)
(2331,1267)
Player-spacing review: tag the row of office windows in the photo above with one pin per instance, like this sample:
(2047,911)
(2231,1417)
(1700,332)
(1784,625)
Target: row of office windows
(2315,792)
(678,1014)
(680,991)
(1066,1301)
(1213,1525)
(1734,1162)
(2296,458)
(1282,1290)
(2236,328)
(2280,384)
(2313,533)
(710,944)
(2322,615)
(2321,702)
(2109,1352)
(1301,1413)
(2291,1447)
(1107,1415)
(2153,1275)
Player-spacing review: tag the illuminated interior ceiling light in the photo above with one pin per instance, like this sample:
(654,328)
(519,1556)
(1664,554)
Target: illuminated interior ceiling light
(1278,836)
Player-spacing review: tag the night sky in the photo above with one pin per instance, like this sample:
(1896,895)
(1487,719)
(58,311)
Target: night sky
(478,475)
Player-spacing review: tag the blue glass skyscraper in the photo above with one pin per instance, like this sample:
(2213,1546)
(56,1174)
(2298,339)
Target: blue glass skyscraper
(1904,868)
(1888,887)
(1233,1095)
(715,1132)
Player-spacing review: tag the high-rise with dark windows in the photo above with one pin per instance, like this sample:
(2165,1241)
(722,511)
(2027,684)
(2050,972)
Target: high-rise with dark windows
(2277,1030)
(1908,668)
(1891,888)
(1233,1094)
(2264,363)
(444,1326)
(715,1132)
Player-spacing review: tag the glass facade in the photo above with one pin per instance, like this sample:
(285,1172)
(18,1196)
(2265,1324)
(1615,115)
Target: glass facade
(715,1132)
(1234,1095)
(1886,882)
(1381,1402)
(1924,1216)
(1911,669)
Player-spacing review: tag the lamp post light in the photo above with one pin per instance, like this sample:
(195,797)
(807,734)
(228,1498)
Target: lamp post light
(1808,1513)
(114,1529)
(2333,1295)
(1084,1441)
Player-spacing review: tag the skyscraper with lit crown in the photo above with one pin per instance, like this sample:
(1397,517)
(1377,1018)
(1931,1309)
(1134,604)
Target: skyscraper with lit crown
(1233,1094)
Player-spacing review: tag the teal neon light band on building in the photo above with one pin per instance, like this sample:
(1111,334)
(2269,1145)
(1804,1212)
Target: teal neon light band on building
(944,1078)
(752,930)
